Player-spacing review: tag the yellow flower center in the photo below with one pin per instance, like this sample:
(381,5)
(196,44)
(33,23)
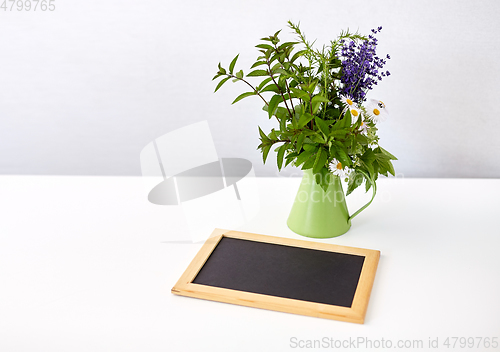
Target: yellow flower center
(354,112)
(339,166)
(376,112)
(362,123)
(349,101)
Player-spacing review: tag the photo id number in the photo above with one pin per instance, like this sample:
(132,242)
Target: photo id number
(28,5)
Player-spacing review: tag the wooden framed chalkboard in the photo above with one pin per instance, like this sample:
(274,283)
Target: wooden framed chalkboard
(287,275)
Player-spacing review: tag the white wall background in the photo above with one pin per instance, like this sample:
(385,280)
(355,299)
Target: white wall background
(84,88)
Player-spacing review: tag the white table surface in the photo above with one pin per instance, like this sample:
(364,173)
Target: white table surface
(86,265)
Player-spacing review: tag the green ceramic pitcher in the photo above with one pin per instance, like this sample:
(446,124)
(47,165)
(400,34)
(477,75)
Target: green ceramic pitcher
(319,214)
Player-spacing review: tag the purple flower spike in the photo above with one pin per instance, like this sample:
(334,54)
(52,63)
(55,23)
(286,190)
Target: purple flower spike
(361,67)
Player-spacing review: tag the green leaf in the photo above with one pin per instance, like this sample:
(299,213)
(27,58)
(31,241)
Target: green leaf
(298,54)
(368,185)
(281,154)
(309,162)
(272,136)
(287,44)
(224,80)
(265,152)
(343,157)
(355,180)
(282,124)
(310,147)
(271,88)
(315,107)
(304,119)
(362,139)
(241,96)
(294,123)
(300,141)
(380,168)
(257,73)
(282,82)
(273,103)
(263,83)
(346,120)
(339,133)
(274,57)
(367,167)
(263,136)
(380,156)
(289,158)
(280,71)
(311,87)
(387,165)
(316,102)
(319,98)
(368,156)
(322,125)
(305,155)
(264,46)
(281,112)
(322,178)
(392,157)
(352,142)
(319,163)
(258,63)
(231,65)
(299,93)
(239,74)
(391,168)
(276,66)
(377,168)
(316,137)
(222,71)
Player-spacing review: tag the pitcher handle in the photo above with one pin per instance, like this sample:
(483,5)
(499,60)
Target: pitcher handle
(374,186)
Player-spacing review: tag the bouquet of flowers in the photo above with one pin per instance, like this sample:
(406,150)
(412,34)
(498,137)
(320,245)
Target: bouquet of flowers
(318,97)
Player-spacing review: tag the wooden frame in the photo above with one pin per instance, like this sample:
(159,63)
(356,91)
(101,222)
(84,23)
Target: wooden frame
(355,314)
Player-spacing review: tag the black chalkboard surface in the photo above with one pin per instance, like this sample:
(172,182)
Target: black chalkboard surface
(283,271)
(288,275)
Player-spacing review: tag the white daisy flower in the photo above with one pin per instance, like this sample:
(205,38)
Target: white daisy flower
(355,113)
(338,169)
(353,108)
(347,101)
(377,110)
(363,129)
